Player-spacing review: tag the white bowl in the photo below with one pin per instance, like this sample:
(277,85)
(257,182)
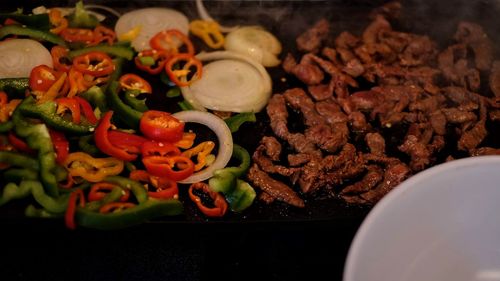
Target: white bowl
(441,224)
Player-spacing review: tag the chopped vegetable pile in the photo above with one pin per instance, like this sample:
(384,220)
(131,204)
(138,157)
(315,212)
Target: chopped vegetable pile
(77,135)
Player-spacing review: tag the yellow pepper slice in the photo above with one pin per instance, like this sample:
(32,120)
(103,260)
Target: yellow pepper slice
(201,150)
(209,32)
(60,23)
(80,164)
(187,140)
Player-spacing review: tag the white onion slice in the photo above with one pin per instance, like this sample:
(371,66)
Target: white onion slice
(232,83)
(151,21)
(219,127)
(256,42)
(204,15)
(19,56)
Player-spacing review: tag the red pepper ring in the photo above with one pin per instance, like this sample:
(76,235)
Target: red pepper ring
(126,141)
(101,138)
(160,59)
(19,144)
(150,148)
(161,126)
(72,105)
(61,145)
(94,63)
(220,204)
(114,207)
(60,58)
(132,81)
(187,61)
(87,110)
(175,168)
(99,190)
(69,216)
(77,35)
(165,188)
(168,40)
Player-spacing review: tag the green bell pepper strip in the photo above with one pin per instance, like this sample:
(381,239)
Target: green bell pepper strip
(234,122)
(130,98)
(115,75)
(6,126)
(140,193)
(114,50)
(173,92)
(185,105)
(14,87)
(47,112)
(124,112)
(114,195)
(19,160)
(96,97)
(40,21)
(32,33)
(37,137)
(85,145)
(18,175)
(13,191)
(82,18)
(238,193)
(34,212)
(141,213)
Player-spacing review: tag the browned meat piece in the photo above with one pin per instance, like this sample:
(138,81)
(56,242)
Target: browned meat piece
(278,114)
(322,91)
(302,145)
(330,54)
(308,180)
(469,106)
(485,151)
(376,143)
(456,116)
(437,144)
(289,63)
(274,188)
(298,99)
(268,199)
(380,159)
(266,164)
(420,155)
(337,177)
(334,71)
(354,68)
(459,95)
(397,41)
(391,10)
(495,115)
(420,50)
(472,138)
(358,123)
(310,41)
(447,58)
(328,138)
(371,32)
(298,159)
(308,72)
(438,122)
(346,155)
(374,175)
(346,40)
(365,100)
(430,104)
(330,111)
(473,35)
(393,176)
(495,78)
(272,147)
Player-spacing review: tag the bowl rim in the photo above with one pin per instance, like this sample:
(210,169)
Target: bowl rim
(406,186)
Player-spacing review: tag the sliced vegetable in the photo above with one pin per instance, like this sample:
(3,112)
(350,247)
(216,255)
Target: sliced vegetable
(224,137)
(81,18)
(234,122)
(161,126)
(115,50)
(219,207)
(191,69)
(132,81)
(151,61)
(104,144)
(165,188)
(209,32)
(232,82)
(255,42)
(32,33)
(176,168)
(94,63)
(80,164)
(170,41)
(151,21)
(19,56)
(203,13)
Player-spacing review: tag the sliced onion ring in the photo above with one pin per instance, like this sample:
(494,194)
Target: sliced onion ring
(19,56)
(219,127)
(204,15)
(225,104)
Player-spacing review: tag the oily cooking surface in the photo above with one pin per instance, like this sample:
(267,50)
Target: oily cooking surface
(288,20)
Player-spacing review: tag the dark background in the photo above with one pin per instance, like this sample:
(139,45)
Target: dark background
(267,242)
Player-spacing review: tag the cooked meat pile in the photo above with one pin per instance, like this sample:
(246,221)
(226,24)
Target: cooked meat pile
(429,95)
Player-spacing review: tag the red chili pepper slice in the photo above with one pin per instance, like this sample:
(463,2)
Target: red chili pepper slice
(160,59)
(69,216)
(94,63)
(115,207)
(101,138)
(126,141)
(169,40)
(42,78)
(61,145)
(161,126)
(220,204)
(99,190)
(19,144)
(88,112)
(166,149)
(132,81)
(70,104)
(78,35)
(102,34)
(175,167)
(165,188)
(60,58)
(187,62)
